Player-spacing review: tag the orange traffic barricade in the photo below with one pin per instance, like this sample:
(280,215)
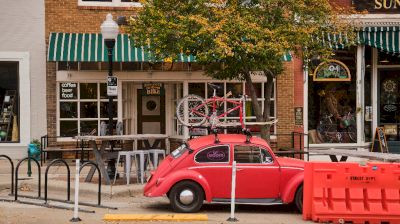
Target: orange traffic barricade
(349,192)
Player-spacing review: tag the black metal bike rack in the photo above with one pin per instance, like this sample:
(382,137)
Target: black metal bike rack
(16,176)
(12,171)
(98,170)
(68,178)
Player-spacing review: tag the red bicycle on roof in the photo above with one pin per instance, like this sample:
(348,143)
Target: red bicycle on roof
(193,110)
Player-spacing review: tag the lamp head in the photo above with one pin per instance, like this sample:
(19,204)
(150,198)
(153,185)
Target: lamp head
(109,28)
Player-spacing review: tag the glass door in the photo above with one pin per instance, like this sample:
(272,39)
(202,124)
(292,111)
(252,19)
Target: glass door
(389,103)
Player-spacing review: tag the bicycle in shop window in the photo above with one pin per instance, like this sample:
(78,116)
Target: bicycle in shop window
(192,110)
(344,131)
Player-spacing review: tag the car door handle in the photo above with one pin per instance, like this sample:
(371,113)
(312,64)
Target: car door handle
(239,169)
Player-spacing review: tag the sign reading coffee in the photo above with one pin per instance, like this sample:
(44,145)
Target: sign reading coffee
(68,90)
(332,70)
(377,6)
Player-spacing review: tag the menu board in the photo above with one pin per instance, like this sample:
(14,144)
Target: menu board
(383,146)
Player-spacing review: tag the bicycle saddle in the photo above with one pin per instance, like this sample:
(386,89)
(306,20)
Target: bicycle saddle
(213,86)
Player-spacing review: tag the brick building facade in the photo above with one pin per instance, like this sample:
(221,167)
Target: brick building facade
(68,16)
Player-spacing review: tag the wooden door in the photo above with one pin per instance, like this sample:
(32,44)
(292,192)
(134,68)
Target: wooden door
(151,118)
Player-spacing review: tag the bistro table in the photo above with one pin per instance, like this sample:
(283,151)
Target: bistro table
(106,140)
(345,153)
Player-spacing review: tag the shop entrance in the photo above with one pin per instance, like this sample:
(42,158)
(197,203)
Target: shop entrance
(389,105)
(151,117)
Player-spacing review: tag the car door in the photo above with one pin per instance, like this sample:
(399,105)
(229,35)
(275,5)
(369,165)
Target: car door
(212,163)
(257,173)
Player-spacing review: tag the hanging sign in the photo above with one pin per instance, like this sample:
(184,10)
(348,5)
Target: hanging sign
(153,89)
(112,86)
(332,70)
(383,146)
(68,90)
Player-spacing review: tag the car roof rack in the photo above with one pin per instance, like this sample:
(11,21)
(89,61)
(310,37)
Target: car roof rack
(214,131)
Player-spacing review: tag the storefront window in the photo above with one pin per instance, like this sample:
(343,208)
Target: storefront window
(389,103)
(332,106)
(82,108)
(9,114)
(237,89)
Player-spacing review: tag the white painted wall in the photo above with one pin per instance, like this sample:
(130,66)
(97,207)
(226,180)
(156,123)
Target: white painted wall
(22,33)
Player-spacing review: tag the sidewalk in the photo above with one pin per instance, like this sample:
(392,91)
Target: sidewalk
(57,181)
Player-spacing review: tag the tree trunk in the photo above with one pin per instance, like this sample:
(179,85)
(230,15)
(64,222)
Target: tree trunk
(261,115)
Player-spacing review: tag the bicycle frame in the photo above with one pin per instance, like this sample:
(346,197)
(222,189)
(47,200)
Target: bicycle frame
(213,102)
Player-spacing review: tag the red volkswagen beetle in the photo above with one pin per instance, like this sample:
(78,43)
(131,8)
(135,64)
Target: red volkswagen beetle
(201,170)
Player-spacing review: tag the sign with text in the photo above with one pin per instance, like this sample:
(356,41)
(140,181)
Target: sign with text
(332,70)
(153,89)
(112,86)
(383,146)
(298,115)
(68,90)
(377,6)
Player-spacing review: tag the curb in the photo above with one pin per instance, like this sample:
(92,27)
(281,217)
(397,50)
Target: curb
(154,217)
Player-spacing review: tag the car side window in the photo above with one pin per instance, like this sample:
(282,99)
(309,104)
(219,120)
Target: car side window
(214,154)
(251,154)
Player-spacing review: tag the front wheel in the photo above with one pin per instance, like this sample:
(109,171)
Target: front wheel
(191,110)
(298,200)
(186,197)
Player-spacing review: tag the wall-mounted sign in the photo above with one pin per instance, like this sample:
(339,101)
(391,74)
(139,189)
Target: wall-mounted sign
(153,89)
(112,86)
(68,90)
(377,6)
(332,70)
(298,115)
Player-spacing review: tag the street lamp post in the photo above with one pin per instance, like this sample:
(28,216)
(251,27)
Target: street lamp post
(109,31)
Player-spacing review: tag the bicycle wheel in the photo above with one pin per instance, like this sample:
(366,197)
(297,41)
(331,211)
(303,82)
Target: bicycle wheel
(192,110)
(352,133)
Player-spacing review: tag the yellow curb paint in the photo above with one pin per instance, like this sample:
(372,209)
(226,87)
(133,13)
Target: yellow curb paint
(155,217)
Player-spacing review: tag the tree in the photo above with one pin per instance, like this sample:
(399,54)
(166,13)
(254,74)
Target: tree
(242,36)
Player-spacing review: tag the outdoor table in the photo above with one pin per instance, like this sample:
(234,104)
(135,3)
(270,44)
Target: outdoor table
(106,140)
(345,153)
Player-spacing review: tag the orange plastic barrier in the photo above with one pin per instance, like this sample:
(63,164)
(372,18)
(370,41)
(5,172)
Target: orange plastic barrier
(348,192)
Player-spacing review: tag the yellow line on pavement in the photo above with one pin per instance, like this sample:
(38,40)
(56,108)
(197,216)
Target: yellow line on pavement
(155,217)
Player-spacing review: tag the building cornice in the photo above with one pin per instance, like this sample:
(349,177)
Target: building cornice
(366,20)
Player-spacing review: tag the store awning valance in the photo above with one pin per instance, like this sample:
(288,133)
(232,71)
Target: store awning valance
(385,39)
(89,47)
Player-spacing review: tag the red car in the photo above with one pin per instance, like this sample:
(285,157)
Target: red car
(202,168)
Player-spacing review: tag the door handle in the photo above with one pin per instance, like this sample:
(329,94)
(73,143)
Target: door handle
(239,169)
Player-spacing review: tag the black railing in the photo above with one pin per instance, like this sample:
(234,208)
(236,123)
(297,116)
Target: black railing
(68,178)
(16,176)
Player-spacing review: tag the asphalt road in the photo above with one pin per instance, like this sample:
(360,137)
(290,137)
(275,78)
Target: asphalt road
(15,213)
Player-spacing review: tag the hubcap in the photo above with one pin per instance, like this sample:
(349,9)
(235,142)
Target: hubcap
(186,197)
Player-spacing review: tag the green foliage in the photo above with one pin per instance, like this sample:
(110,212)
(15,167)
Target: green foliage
(36,142)
(242,35)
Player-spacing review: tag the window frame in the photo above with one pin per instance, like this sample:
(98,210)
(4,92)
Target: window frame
(98,100)
(178,127)
(261,148)
(209,147)
(113,3)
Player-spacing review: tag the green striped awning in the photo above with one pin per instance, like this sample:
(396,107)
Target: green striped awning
(89,47)
(386,39)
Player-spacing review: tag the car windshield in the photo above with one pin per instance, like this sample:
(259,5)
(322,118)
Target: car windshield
(179,151)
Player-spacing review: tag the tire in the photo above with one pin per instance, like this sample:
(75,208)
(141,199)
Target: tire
(352,133)
(186,207)
(298,199)
(193,119)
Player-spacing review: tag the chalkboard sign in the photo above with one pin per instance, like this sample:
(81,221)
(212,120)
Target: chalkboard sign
(383,146)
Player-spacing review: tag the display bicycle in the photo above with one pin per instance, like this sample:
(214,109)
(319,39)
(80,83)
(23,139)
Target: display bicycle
(192,110)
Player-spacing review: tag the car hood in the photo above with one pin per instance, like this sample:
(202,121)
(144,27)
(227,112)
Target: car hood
(290,162)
